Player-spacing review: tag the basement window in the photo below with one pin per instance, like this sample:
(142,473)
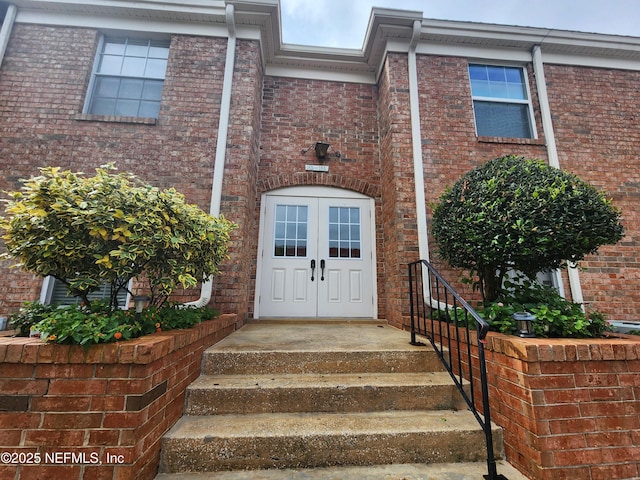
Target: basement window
(128,77)
(501,102)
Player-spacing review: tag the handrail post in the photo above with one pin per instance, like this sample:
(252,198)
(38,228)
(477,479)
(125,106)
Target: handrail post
(413,325)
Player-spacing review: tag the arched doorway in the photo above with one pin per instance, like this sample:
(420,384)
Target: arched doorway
(316,254)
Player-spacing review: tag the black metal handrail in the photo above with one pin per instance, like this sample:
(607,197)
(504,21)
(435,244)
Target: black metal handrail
(435,308)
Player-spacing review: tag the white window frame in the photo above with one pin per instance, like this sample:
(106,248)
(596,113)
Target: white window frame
(46,293)
(96,63)
(532,120)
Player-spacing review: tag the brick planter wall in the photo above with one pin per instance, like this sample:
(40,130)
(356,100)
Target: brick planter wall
(99,413)
(569,408)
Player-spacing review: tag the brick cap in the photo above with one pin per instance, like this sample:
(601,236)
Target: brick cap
(143,350)
(563,349)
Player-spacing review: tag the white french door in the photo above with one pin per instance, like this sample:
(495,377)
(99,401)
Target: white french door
(316,257)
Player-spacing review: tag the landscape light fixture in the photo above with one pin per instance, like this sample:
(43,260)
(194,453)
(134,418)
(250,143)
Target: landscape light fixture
(524,324)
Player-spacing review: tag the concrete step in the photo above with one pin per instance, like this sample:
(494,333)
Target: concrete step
(304,440)
(434,471)
(349,392)
(285,348)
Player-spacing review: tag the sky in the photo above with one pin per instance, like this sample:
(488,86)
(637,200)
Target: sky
(343,23)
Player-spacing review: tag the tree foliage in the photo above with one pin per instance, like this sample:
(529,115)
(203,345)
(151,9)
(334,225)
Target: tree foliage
(521,214)
(110,228)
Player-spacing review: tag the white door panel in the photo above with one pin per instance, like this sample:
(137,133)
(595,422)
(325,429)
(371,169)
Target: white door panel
(303,231)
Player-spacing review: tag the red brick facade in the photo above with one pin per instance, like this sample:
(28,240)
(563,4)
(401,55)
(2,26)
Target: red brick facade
(44,78)
(109,405)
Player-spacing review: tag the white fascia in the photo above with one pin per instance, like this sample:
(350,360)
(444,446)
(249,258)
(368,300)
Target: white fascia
(128,24)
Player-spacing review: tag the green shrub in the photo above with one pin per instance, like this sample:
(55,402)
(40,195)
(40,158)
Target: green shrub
(108,229)
(77,325)
(556,317)
(516,213)
(30,314)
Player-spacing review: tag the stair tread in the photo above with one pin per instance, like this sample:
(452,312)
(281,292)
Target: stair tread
(314,424)
(316,337)
(311,380)
(450,471)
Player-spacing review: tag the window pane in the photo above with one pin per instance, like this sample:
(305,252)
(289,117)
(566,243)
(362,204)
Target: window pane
(495,119)
(130,88)
(478,72)
(152,90)
(114,47)
(103,106)
(127,108)
(110,65)
(480,88)
(149,109)
(292,214)
(137,49)
(107,87)
(133,67)
(158,51)
(496,74)
(155,68)
(514,75)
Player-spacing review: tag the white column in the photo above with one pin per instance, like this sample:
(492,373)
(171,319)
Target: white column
(5,30)
(552,153)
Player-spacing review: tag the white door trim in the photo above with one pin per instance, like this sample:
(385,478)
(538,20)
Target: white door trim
(319,192)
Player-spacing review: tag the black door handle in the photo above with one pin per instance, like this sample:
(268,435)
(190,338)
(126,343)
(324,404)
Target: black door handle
(313,267)
(322,270)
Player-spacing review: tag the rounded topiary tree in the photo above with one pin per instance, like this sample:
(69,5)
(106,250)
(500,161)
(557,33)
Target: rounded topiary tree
(109,228)
(520,214)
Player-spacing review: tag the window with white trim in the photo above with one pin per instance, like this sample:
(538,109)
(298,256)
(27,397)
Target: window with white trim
(54,292)
(128,77)
(501,101)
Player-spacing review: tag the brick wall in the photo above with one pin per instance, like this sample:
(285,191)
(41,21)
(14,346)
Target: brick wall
(398,191)
(46,70)
(449,142)
(595,117)
(111,403)
(569,408)
(296,114)
(233,288)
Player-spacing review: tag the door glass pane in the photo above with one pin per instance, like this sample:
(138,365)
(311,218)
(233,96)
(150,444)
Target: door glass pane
(344,232)
(290,231)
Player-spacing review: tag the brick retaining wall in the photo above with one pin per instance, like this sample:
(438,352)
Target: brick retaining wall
(570,408)
(99,413)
